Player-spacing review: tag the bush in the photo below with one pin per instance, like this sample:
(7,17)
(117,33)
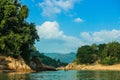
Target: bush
(109,61)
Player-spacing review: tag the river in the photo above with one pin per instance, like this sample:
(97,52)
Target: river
(63,75)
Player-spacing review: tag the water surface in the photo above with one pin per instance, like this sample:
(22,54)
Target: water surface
(63,75)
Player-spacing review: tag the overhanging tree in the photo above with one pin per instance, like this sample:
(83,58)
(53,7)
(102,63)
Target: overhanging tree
(16,35)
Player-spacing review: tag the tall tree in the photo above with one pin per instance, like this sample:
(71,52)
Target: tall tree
(16,35)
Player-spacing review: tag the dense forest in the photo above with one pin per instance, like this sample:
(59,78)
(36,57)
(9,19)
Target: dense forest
(107,54)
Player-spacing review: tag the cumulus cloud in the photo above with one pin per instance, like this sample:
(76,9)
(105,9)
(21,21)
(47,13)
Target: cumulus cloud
(54,40)
(101,36)
(53,7)
(49,30)
(79,20)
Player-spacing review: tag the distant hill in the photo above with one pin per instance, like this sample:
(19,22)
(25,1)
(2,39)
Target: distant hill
(47,60)
(67,58)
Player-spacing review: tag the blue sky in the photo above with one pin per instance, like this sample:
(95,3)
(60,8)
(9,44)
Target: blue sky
(65,25)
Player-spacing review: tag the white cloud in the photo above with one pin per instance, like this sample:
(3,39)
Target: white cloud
(85,35)
(79,20)
(54,40)
(49,30)
(53,7)
(65,4)
(101,36)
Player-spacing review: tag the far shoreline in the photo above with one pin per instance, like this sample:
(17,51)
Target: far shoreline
(74,66)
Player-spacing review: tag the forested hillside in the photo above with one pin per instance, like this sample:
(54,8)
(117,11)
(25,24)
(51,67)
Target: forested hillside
(47,60)
(107,54)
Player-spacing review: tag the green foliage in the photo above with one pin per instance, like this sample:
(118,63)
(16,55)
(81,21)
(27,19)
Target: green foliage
(109,60)
(111,54)
(16,35)
(107,54)
(86,55)
(100,49)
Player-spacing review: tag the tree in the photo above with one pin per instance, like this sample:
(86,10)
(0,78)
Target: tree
(111,53)
(86,55)
(16,35)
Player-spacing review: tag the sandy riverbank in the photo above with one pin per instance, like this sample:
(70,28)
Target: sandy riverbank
(74,66)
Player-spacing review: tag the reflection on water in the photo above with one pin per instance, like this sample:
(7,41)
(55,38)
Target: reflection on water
(98,75)
(14,76)
(63,75)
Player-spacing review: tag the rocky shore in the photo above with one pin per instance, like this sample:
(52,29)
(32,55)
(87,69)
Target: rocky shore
(74,66)
(9,64)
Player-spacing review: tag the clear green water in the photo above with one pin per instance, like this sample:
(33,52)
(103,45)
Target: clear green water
(63,75)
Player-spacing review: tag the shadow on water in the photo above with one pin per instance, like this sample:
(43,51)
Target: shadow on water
(98,75)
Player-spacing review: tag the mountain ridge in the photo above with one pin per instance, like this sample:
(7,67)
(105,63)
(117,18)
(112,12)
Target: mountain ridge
(67,58)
